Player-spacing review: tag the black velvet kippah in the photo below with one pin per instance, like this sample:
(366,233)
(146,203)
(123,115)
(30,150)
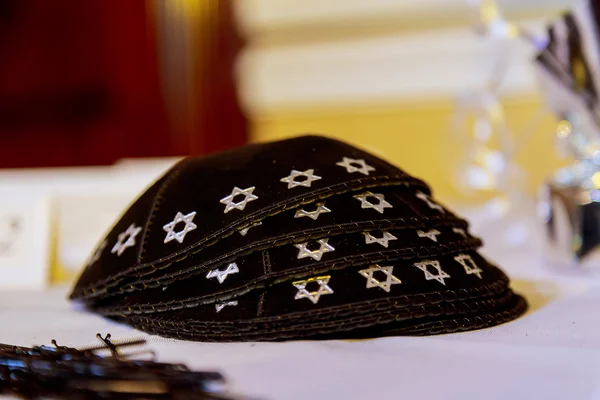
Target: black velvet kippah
(302,238)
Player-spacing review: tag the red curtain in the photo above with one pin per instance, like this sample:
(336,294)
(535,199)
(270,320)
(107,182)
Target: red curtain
(79,85)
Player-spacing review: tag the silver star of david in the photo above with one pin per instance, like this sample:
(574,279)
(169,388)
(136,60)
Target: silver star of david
(431,234)
(469,265)
(321,209)
(222,275)
(382,240)
(460,231)
(365,203)
(304,252)
(316,295)
(220,306)
(126,239)
(248,197)
(441,274)
(433,205)
(97,253)
(179,236)
(372,282)
(245,230)
(308,174)
(350,165)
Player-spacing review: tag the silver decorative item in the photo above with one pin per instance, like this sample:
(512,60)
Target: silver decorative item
(569,72)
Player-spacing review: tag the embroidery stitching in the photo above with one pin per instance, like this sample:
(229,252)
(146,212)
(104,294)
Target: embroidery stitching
(323,289)
(240,205)
(431,234)
(384,240)
(321,209)
(308,174)
(179,236)
(365,203)
(363,168)
(372,282)
(441,274)
(222,275)
(304,252)
(123,244)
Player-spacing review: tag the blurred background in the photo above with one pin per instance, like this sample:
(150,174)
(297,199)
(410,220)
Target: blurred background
(99,97)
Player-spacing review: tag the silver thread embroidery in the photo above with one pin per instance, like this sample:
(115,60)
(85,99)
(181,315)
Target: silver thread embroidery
(220,306)
(433,205)
(245,230)
(431,234)
(314,296)
(126,239)
(308,174)
(304,252)
(97,253)
(179,236)
(440,274)
(365,203)
(372,282)
(222,275)
(384,240)
(321,209)
(469,265)
(460,231)
(351,166)
(240,205)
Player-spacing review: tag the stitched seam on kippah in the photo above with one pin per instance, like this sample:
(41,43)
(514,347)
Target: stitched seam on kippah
(261,300)
(510,308)
(436,327)
(491,290)
(389,255)
(266,258)
(155,207)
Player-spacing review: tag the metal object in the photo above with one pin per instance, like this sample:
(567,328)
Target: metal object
(569,68)
(570,207)
(64,372)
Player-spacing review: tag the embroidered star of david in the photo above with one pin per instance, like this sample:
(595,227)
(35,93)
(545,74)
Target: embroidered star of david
(372,282)
(179,236)
(431,234)
(353,165)
(460,231)
(440,274)
(220,306)
(365,203)
(321,209)
(433,205)
(308,174)
(384,240)
(222,275)
(469,265)
(314,296)
(97,253)
(244,231)
(240,205)
(126,239)
(304,252)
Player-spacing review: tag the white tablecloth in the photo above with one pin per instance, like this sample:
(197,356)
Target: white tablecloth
(553,352)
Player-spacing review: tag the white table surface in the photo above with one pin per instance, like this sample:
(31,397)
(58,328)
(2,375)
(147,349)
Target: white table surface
(553,352)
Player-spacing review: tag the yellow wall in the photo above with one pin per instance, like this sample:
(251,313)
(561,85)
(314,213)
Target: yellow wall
(415,137)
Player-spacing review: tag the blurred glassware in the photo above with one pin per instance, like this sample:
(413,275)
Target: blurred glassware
(487,168)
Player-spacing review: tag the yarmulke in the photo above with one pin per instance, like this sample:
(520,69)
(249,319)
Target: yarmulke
(302,238)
